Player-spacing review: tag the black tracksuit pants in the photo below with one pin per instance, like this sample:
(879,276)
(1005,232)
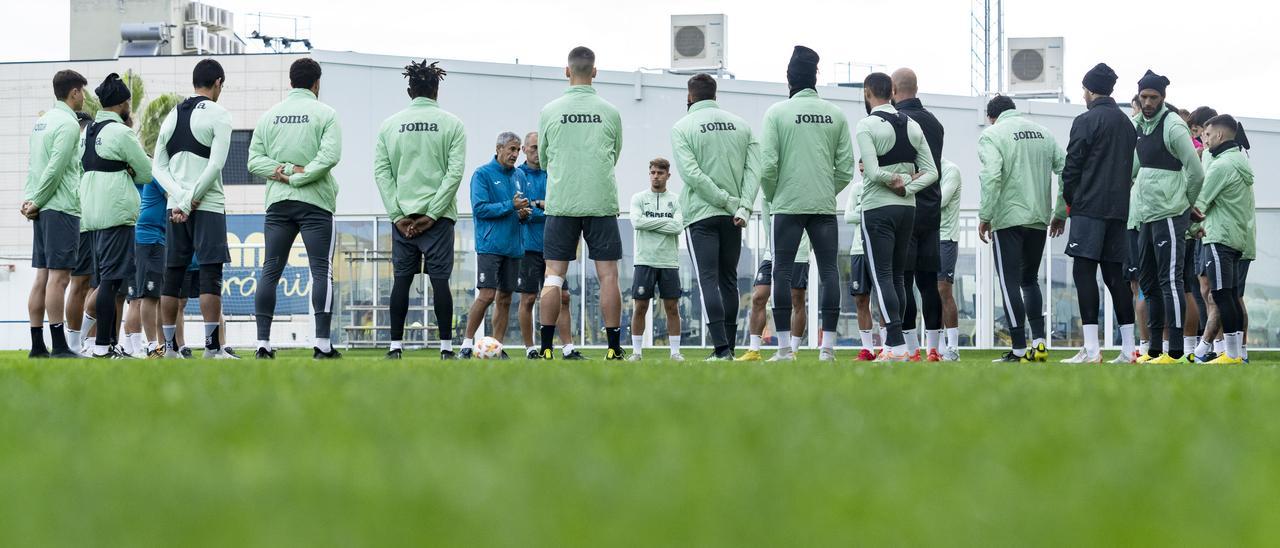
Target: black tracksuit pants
(284,221)
(715,244)
(886,234)
(824,236)
(1018,251)
(1161,250)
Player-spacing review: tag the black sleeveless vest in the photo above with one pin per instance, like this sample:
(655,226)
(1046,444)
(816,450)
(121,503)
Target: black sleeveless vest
(91,160)
(1151,150)
(902,151)
(182,139)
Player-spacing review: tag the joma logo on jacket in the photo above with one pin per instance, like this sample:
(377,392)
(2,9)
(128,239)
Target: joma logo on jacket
(717,126)
(1020,135)
(292,119)
(813,119)
(580,119)
(419,126)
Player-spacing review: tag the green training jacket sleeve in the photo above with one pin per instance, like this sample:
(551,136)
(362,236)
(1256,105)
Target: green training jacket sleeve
(327,156)
(136,157)
(160,157)
(844,156)
(385,177)
(447,193)
(1185,151)
(1213,184)
(924,163)
(871,172)
(769,159)
(693,176)
(990,177)
(65,146)
(217,159)
(750,178)
(260,164)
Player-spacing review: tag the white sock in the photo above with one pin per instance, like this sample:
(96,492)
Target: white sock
(868,339)
(127,343)
(1091,339)
(829,340)
(265,345)
(73,339)
(637,343)
(1019,352)
(884,336)
(324,346)
(1220,346)
(796,342)
(446,346)
(135,343)
(675,344)
(1126,339)
(953,337)
(755,343)
(567,349)
(1244,347)
(1143,346)
(1165,348)
(152,346)
(397,345)
(898,350)
(99,350)
(1233,345)
(913,340)
(1202,348)
(1189,343)
(467,343)
(932,337)
(784,342)
(1037,342)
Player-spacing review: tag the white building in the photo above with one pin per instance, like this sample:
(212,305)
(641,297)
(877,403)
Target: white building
(491,98)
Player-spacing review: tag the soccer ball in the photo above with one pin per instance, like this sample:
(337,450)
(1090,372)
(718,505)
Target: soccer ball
(488,348)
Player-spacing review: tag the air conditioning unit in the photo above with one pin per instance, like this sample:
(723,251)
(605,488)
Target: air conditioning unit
(1035,65)
(226,19)
(192,13)
(214,41)
(698,41)
(194,38)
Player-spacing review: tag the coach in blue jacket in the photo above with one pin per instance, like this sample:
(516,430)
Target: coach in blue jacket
(499,208)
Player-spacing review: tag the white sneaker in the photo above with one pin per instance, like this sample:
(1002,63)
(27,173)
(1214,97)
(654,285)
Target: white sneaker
(677,357)
(1083,357)
(1121,358)
(780,357)
(827,355)
(950,355)
(171,354)
(634,357)
(217,355)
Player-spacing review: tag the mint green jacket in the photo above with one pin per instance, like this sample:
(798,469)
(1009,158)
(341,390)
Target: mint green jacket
(53,162)
(806,155)
(418,161)
(719,161)
(298,131)
(1227,203)
(950,181)
(579,140)
(875,137)
(188,177)
(657,220)
(853,216)
(110,199)
(1159,193)
(1019,159)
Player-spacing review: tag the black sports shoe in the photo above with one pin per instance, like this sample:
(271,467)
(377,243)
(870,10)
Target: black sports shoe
(38,353)
(112,354)
(448,355)
(230,352)
(532,354)
(1010,357)
(186,353)
(332,354)
(264,354)
(503,355)
(575,355)
(615,354)
(464,354)
(65,354)
(393,354)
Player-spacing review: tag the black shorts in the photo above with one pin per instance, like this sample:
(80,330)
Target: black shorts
(1221,266)
(1190,264)
(1102,240)
(113,254)
(204,234)
(860,282)
(149,269)
(84,256)
(56,241)
(1242,275)
(560,238)
(191,284)
(1131,259)
(949,253)
(533,268)
(799,276)
(666,281)
(497,272)
(923,249)
(435,245)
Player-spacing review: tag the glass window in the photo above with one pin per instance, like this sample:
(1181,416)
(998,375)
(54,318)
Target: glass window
(1261,291)
(965,288)
(236,170)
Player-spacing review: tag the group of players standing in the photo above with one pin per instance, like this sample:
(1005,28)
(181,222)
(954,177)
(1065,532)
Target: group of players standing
(1135,190)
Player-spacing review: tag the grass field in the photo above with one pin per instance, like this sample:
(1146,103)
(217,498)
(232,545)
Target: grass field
(374,453)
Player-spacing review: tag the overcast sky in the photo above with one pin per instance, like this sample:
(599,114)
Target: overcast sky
(1223,53)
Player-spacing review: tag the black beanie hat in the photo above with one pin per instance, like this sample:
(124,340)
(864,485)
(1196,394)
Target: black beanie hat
(1100,79)
(1151,80)
(112,91)
(802,71)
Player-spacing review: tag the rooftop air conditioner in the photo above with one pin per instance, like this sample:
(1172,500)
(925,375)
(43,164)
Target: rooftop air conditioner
(194,37)
(1035,65)
(698,41)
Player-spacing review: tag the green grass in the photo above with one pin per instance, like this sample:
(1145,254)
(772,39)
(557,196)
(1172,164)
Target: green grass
(417,452)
